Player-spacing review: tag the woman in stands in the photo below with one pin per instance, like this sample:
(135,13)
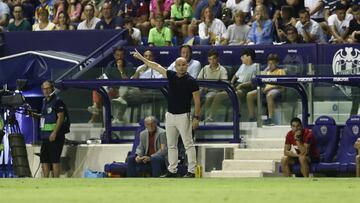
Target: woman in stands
(60,6)
(261,31)
(63,22)
(44,24)
(211,29)
(74,11)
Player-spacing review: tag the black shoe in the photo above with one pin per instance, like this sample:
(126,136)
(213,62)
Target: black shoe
(269,122)
(168,174)
(252,119)
(189,175)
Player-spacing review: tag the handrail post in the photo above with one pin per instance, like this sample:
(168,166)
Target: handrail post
(258,99)
(310,89)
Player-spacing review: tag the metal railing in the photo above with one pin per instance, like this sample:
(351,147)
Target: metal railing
(297,83)
(162,85)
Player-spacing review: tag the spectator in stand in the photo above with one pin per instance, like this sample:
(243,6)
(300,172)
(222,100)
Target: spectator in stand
(151,151)
(354,27)
(330,6)
(60,6)
(28,10)
(43,22)
(239,5)
(90,20)
(292,36)
(268,5)
(211,29)
(309,29)
(194,66)
(212,71)
(120,69)
(261,31)
(160,35)
(63,22)
(4,15)
(296,5)
(316,9)
(74,11)
(286,18)
(109,21)
(49,7)
(155,10)
(134,33)
(237,33)
(19,23)
(339,24)
(116,6)
(214,5)
(144,72)
(242,81)
(181,15)
(357,161)
(138,10)
(300,147)
(271,92)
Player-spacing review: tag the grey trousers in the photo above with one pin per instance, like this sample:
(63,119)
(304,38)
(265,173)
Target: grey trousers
(179,124)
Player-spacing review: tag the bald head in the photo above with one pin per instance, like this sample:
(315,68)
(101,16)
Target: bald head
(181,66)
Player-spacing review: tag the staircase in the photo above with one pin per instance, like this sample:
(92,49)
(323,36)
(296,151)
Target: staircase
(261,155)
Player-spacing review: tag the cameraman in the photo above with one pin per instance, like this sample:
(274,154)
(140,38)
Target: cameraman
(300,147)
(54,124)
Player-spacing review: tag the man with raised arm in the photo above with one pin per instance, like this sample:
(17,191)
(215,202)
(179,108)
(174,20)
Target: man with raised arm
(182,89)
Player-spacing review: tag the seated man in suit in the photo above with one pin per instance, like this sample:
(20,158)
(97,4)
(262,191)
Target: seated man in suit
(357,146)
(151,151)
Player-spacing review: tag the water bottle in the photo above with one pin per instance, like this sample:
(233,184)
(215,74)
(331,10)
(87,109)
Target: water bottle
(198,171)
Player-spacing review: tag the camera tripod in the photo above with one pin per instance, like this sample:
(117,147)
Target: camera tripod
(16,160)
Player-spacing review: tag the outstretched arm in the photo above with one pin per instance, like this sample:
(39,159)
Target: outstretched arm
(150,64)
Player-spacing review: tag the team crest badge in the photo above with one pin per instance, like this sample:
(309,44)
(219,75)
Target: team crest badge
(49,110)
(323,130)
(346,62)
(355,129)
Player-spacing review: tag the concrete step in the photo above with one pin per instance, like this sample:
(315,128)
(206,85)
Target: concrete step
(231,165)
(272,131)
(258,154)
(235,174)
(84,131)
(270,143)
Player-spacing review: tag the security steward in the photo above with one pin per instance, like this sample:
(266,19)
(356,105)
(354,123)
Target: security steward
(54,124)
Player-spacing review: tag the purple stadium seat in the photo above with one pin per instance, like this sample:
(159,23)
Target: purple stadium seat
(327,138)
(347,153)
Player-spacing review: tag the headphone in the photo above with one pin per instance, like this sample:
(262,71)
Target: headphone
(52,84)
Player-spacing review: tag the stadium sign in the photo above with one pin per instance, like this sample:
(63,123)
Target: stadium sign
(346,62)
(305,79)
(269,79)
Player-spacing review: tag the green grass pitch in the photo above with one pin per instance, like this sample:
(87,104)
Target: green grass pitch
(139,190)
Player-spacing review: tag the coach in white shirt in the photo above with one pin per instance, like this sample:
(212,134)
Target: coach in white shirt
(194,66)
(90,22)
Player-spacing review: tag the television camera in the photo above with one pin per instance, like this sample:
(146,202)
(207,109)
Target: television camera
(12,102)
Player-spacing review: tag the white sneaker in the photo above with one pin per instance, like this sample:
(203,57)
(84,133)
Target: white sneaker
(93,110)
(119,100)
(115,121)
